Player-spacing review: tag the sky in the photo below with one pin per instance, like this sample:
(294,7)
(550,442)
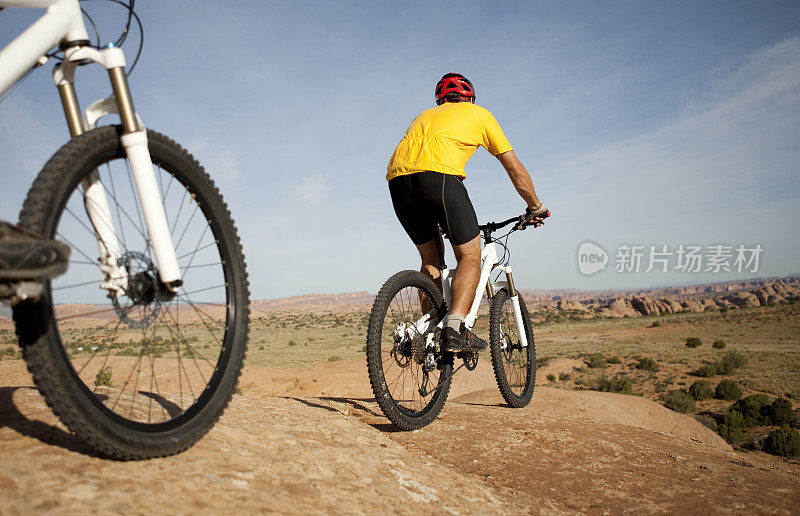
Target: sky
(642,124)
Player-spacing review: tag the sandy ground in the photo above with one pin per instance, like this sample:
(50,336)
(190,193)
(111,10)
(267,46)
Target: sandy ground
(313,440)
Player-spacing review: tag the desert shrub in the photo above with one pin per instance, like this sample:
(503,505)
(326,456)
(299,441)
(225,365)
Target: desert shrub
(718,344)
(542,361)
(733,360)
(707,370)
(680,401)
(728,390)
(701,390)
(292,343)
(693,342)
(104,377)
(731,427)
(647,364)
(655,324)
(780,412)
(620,384)
(551,377)
(752,408)
(613,360)
(563,377)
(596,360)
(334,358)
(784,442)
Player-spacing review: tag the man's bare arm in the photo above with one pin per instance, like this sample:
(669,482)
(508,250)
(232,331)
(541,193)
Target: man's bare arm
(520,178)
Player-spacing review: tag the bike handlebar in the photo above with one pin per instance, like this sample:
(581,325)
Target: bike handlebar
(491,227)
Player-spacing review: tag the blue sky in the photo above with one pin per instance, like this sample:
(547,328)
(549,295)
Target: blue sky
(641,123)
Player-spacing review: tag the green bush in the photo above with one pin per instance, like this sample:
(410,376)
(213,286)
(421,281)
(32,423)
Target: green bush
(104,377)
(551,377)
(334,358)
(732,361)
(693,342)
(780,412)
(596,361)
(707,370)
(752,408)
(620,384)
(680,401)
(655,324)
(701,390)
(647,364)
(728,390)
(718,344)
(292,343)
(563,377)
(784,442)
(731,427)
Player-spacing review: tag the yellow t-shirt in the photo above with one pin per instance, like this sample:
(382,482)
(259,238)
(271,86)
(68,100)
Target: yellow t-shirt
(443,138)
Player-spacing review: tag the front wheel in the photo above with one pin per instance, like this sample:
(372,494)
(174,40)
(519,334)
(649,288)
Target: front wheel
(137,372)
(409,377)
(514,365)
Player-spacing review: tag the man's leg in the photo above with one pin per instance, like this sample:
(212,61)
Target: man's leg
(467,275)
(430,267)
(465,283)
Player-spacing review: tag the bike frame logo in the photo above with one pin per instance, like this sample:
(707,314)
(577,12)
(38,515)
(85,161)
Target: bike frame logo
(591,258)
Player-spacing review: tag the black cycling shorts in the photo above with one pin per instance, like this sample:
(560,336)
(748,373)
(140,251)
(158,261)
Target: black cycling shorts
(424,199)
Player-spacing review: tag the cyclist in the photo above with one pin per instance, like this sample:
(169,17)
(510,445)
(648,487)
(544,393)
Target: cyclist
(27,257)
(425,175)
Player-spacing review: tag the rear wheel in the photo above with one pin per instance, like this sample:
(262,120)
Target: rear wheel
(136,372)
(409,379)
(514,366)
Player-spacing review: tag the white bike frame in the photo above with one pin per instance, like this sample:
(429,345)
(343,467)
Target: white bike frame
(490,263)
(62,24)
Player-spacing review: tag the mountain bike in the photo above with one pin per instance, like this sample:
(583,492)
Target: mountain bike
(409,370)
(139,345)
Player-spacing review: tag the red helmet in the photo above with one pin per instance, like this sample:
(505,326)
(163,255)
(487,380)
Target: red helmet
(454,87)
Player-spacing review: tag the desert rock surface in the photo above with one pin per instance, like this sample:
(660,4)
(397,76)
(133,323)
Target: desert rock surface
(313,440)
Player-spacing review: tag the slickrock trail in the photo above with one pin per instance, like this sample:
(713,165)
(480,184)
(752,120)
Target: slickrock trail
(290,444)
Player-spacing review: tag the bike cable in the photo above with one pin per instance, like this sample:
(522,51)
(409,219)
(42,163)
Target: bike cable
(132,16)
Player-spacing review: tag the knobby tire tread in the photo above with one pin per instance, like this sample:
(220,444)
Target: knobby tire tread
(498,302)
(32,320)
(374,364)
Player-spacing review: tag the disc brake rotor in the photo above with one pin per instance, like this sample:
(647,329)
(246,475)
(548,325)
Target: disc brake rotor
(143,296)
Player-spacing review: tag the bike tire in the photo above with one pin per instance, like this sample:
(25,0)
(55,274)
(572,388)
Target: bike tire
(405,414)
(60,358)
(514,367)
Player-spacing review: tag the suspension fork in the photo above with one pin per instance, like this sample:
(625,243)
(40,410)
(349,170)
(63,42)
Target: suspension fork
(134,141)
(513,295)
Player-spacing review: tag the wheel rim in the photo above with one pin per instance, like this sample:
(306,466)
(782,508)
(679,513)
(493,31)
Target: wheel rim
(400,356)
(144,358)
(515,358)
